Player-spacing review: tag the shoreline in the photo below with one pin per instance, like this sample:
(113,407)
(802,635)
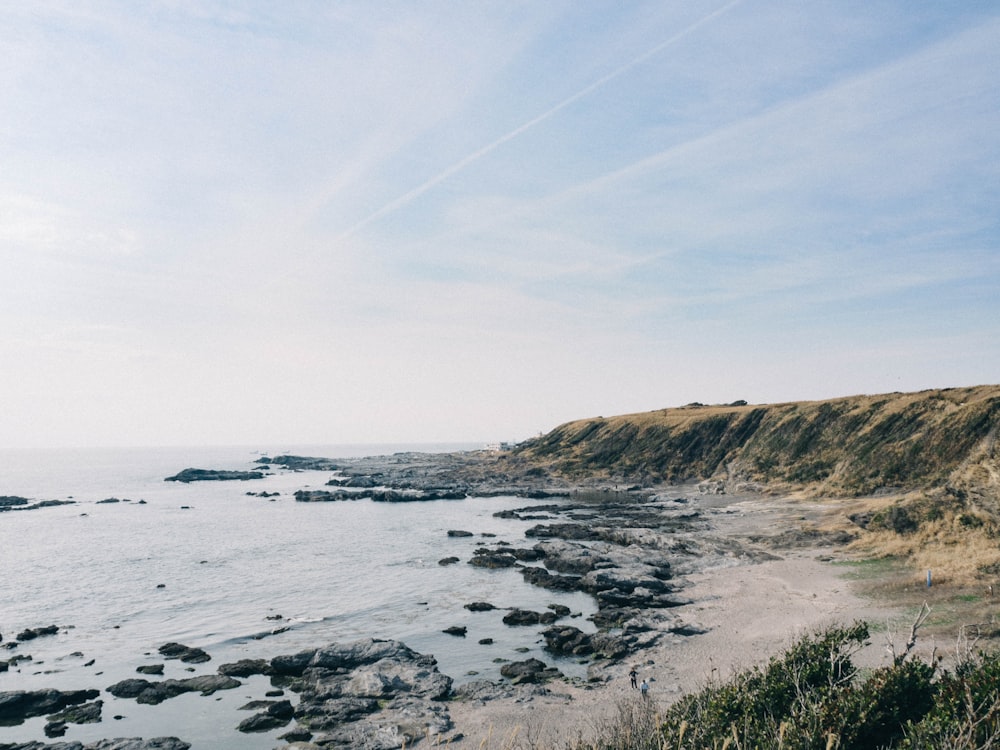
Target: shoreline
(748,607)
(693,586)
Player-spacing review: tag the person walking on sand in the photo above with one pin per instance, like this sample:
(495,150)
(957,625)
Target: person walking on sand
(644,688)
(632,675)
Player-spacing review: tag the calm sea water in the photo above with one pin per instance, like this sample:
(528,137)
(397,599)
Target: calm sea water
(122,579)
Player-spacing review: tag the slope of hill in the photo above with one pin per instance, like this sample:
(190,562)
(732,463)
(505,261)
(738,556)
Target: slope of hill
(852,446)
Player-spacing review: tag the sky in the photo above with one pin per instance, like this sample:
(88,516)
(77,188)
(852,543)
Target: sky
(239,223)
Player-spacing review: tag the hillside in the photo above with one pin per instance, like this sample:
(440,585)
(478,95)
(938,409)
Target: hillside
(846,447)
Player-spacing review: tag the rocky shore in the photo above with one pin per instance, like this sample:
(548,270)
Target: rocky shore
(633,550)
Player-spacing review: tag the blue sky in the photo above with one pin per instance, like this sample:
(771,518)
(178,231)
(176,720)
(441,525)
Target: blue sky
(256,223)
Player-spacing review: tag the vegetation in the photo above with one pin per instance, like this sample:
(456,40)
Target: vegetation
(813,696)
(843,447)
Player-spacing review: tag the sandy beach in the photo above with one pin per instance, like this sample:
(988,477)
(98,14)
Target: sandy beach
(750,606)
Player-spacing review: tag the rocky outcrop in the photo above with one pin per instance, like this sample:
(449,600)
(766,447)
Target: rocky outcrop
(213,475)
(128,743)
(378,495)
(13,502)
(369,693)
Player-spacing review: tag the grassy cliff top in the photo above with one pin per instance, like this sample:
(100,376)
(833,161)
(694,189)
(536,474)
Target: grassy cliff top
(850,446)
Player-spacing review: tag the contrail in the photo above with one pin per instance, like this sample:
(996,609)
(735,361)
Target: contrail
(490,147)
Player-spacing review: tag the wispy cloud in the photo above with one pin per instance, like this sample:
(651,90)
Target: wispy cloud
(544,206)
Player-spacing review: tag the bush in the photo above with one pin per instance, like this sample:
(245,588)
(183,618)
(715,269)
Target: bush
(811,697)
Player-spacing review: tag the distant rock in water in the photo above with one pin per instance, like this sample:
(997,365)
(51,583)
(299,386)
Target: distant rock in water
(184,653)
(13,502)
(213,475)
(301,463)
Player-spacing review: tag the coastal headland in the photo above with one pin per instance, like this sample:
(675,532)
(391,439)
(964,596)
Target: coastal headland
(709,537)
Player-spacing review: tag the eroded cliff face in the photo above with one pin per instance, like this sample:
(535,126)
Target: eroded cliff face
(847,447)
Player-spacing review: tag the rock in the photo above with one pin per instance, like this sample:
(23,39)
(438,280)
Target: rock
(12,501)
(447,561)
(19,705)
(213,475)
(541,577)
(87,713)
(184,653)
(54,729)
(323,496)
(275,715)
(479,607)
(484,558)
(369,693)
(153,693)
(296,735)
(246,668)
(530,671)
(485,641)
(154,669)
(459,533)
(528,617)
(29,634)
(459,630)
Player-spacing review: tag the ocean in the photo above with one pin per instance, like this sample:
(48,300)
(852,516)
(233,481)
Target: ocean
(208,565)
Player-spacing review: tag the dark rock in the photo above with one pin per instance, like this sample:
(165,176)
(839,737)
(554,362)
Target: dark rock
(296,735)
(12,503)
(447,561)
(528,617)
(292,665)
(87,713)
(153,693)
(18,705)
(459,533)
(479,607)
(246,668)
(29,634)
(529,671)
(54,729)
(541,577)
(108,501)
(213,475)
(485,641)
(484,558)
(323,496)
(459,630)
(186,654)
(301,463)
(154,669)
(275,715)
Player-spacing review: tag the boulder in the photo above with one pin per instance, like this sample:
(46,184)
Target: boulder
(529,671)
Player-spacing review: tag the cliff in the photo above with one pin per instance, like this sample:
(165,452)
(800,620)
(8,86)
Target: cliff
(859,445)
